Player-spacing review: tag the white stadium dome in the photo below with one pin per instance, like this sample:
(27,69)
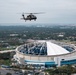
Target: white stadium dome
(43,48)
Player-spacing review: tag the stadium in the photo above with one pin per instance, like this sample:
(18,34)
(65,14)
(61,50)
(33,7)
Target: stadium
(45,53)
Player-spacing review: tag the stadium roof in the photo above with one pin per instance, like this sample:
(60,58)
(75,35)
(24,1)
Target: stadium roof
(53,49)
(43,47)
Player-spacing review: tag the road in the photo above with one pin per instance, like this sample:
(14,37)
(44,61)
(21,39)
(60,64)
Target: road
(5,51)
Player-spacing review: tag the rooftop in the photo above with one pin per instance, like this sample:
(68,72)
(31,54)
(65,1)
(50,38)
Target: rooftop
(43,48)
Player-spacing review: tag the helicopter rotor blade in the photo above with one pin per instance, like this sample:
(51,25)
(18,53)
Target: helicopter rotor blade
(35,13)
(39,13)
(21,13)
(31,13)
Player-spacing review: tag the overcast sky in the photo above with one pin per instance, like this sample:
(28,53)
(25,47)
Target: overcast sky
(56,11)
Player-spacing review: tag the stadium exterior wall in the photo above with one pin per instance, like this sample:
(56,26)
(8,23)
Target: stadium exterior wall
(58,59)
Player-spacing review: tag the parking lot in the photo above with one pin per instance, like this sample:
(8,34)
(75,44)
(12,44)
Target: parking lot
(4,71)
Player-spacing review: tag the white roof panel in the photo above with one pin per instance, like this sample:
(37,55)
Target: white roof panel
(53,49)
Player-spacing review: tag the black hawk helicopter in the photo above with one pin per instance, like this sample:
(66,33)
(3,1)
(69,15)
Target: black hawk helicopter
(30,17)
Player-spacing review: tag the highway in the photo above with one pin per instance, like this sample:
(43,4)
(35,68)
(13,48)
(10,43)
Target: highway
(5,51)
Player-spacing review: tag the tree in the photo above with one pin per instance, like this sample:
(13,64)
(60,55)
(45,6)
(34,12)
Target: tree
(8,73)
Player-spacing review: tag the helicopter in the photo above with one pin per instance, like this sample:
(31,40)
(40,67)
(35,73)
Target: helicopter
(30,16)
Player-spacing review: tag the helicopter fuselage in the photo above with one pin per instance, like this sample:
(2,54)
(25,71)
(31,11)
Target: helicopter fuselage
(29,17)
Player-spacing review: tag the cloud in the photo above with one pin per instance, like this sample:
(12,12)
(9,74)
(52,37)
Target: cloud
(55,10)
